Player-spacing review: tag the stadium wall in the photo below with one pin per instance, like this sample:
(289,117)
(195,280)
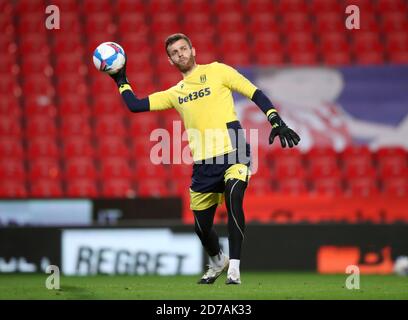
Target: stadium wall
(172,250)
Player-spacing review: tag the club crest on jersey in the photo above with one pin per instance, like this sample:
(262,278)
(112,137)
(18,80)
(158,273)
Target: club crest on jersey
(203,78)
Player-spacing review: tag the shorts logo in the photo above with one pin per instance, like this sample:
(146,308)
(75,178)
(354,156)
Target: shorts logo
(203,78)
(194,95)
(240,171)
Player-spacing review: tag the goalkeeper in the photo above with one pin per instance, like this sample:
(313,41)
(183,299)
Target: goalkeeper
(221,156)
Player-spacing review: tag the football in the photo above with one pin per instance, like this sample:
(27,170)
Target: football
(109,57)
(401,266)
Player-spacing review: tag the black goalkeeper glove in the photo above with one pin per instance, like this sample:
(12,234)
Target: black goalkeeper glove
(279,128)
(120,76)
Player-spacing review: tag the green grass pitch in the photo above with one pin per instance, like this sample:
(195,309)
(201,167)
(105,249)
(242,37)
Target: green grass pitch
(255,286)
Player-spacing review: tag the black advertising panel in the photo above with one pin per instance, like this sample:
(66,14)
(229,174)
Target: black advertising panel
(114,211)
(29,250)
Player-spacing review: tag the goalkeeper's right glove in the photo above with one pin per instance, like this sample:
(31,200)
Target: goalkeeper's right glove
(120,76)
(279,128)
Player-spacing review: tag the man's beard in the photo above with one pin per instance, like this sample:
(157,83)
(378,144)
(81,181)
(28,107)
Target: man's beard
(184,67)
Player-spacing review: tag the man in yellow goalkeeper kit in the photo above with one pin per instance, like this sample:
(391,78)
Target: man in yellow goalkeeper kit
(221,156)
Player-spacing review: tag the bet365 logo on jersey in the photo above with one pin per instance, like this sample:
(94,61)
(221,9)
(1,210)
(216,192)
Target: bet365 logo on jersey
(195,95)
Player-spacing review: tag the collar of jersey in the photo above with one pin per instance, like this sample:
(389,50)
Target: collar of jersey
(194,71)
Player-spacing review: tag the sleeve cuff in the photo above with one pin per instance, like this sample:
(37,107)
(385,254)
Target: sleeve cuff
(124,87)
(270,111)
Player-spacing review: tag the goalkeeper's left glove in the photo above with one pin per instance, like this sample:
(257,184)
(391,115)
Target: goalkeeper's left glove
(120,76)
(279,128)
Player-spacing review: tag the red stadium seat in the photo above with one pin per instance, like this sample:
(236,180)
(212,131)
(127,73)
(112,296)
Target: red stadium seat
(324,6)
(308,57)
(394,24)
(27,6)
(12,189)
(180,187)
(9,106)
(391,6)
(334,42)
(263,22)
(190,6)
(152,188)
(226,6)
(162,6)
(75,125)
(11,147)
(77,147)
(126,6)
(68,43)
(143,124)
(391,170)
(74,106)
(392,156)
(256,7)
(339,58)
(329,22)
(34,43)
(364,186)
(109,125)
(291,6)
(70,63)
(145,170)
(290,157)
(112,147)
(99,23)
(282,170)
(115,168)
(12,169)
(82,188)
(67,6)
(41,107)
(296,22)
(165,22)
(196,23)
(46,188)
(117,188)
(181,171)
(356,156)
(323,169)
(39,87)
(321,156)
(39,125)
(32,23)
(44,168)
(134,22)
(9,127)
(44,147)
(80,168)
(8,85)
(330,185)
(100,6)
(230,22)
(293,185)
(259,186)
(396,186)
(72,85)
(355,170)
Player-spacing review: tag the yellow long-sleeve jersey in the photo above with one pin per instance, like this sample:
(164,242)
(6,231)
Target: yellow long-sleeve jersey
(205,103)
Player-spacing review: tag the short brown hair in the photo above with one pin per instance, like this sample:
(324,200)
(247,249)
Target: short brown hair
(176,37)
